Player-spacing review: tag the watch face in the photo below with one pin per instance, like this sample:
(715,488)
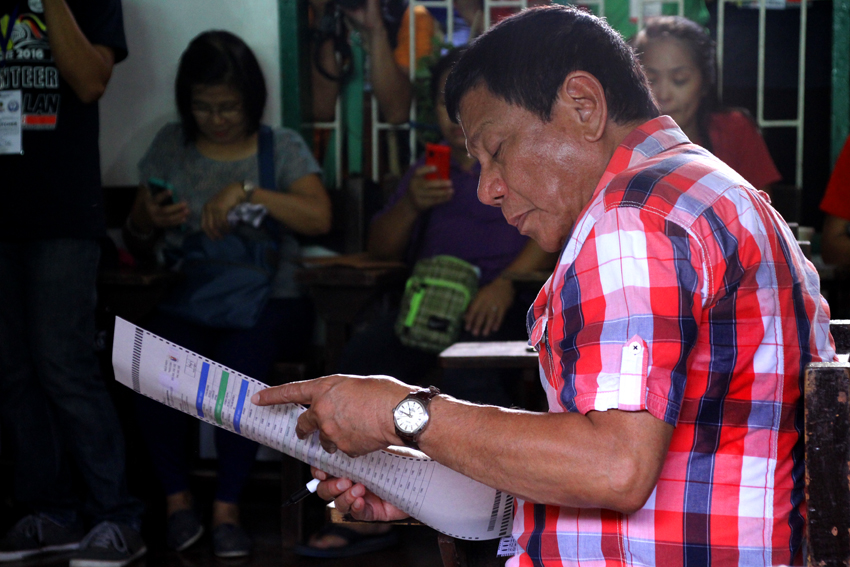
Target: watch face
(410,415)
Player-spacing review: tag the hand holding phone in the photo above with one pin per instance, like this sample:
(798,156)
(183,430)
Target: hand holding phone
(164,214)
(157,186)
(438,155)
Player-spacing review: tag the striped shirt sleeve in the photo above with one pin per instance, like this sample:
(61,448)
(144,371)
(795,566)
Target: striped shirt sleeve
(638,278)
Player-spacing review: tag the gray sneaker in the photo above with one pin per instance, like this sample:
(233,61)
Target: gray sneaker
(109,545)
(182,529)
(230,540)
(38,534)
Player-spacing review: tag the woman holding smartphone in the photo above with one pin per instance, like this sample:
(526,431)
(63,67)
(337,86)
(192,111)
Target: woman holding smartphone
(206,175)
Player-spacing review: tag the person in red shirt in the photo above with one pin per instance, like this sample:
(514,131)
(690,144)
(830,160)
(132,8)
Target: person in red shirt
(678,57)
(835,244)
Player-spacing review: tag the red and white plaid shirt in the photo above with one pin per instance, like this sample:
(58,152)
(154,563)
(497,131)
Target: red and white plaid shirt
(683,293)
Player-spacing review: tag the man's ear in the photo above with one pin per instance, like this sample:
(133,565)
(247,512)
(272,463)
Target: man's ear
(584,97)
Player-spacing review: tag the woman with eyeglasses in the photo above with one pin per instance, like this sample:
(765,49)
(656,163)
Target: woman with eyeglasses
(202,180)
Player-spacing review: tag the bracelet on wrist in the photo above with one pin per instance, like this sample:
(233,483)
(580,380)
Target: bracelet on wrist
(248,187)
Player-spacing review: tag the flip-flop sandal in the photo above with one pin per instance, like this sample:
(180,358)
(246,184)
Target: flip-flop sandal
(357,542)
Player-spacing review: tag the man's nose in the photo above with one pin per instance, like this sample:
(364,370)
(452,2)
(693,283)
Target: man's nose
(491,187)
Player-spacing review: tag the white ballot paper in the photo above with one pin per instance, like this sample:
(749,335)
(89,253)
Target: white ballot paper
(430,492)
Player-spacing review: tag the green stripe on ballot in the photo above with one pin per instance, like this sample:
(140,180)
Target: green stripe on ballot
(222,390)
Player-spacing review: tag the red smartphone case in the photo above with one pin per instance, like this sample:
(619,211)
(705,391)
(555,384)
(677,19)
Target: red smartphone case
(438,155)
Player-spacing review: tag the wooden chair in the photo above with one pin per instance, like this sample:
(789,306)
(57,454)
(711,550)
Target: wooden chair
(341,287)
(464,553)
(827,439)
(501,354)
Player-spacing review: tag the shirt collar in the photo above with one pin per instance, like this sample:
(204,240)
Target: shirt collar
(644,142)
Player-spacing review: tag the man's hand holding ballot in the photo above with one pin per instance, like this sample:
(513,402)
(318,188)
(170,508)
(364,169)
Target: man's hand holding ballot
(598,465)
(355,499)
(355,432)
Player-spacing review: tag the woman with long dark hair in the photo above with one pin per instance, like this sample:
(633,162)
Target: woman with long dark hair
(679,59)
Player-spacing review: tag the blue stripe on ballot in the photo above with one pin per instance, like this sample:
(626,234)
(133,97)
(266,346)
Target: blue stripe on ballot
(202,386)
(243,391)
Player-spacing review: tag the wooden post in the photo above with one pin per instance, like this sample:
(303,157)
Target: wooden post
(827,417)
(840,331)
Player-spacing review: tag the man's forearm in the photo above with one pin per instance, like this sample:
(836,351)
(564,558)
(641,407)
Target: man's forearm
(601,460)
(325,90)
(605,459)
(86,68)
(390,84)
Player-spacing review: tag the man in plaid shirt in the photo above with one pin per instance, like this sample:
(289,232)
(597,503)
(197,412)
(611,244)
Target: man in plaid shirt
(672,335)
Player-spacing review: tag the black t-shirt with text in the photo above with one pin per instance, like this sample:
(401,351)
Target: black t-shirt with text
(53,189)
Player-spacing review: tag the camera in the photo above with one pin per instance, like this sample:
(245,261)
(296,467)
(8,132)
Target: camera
(331,26)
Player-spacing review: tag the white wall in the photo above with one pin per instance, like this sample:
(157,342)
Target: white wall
(140,96)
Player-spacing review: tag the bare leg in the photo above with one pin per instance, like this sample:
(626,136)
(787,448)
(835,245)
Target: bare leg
(177,502)
(225,513)
(330,541)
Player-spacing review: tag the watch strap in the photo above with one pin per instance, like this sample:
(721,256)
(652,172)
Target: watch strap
(425,395)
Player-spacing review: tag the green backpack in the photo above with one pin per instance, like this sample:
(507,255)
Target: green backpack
(435,298)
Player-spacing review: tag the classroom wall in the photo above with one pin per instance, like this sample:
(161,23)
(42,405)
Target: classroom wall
(140,97)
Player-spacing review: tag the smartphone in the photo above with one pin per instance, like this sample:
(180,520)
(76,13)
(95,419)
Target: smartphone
(438,155)
(157,186)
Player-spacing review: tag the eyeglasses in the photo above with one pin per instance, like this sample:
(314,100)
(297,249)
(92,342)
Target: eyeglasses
(227,111)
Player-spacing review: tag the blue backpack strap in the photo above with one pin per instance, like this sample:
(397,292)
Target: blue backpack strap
(265,157)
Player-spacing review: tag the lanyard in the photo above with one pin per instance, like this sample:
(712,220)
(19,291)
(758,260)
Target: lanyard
(6,37)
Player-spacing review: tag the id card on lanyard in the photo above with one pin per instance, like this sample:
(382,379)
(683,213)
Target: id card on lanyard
(11,115)
(10,122)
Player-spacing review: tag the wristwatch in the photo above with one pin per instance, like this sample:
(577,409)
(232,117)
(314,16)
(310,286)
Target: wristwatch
(248,187)
(411,416)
